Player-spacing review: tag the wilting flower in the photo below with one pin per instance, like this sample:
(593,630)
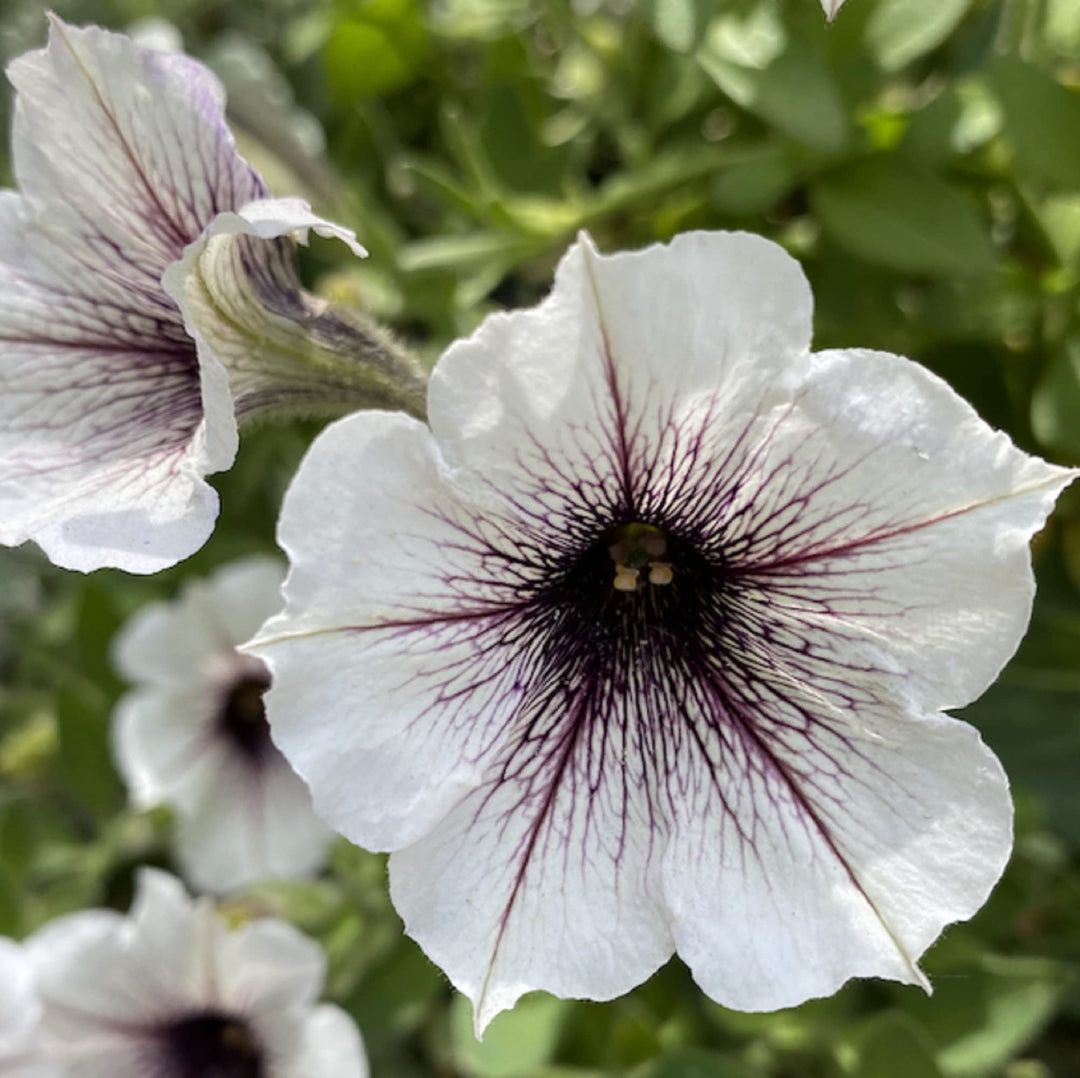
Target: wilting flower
(193,734)
(114,402)
(171,992)
(644,646)
(20,1012)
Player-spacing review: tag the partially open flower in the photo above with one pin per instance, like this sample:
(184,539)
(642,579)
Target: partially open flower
(170,991)
(147,300)
(644,646)
(20,1013)
(193,734)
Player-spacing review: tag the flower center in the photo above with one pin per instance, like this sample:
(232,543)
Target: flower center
(638,551)
(242,717)
(637,584)
(211,1045)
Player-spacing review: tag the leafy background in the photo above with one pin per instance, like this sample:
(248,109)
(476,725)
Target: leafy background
(920,157)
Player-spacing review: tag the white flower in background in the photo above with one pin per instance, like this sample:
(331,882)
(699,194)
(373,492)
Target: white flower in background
(20,1013)
(831,7)
(643,647)
(114,403)
(170,991)
(193,733)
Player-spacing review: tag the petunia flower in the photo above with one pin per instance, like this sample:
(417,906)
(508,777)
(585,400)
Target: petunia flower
(193,734)
(644,646)
(149,301)
(831,7)
(20,1014)
(170,991)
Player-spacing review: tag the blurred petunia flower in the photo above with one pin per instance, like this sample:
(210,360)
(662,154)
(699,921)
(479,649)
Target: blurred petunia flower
(831,7)
(643,647)
(149,301)
(20,1013)
(193,733)
(170,991)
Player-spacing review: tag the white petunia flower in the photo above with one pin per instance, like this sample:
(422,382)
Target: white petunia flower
(170,991)
(643,647)
(114,403)
(193,734)
(20,1013)
(831,7)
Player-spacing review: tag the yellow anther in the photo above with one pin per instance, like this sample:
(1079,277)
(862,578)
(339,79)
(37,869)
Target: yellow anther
(626,578)
(660,573)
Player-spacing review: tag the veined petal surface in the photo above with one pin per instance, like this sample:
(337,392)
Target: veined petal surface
(645,646)
(123,158)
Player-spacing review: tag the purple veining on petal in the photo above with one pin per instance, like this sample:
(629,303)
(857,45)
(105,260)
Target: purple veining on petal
(123,157)
(626,706)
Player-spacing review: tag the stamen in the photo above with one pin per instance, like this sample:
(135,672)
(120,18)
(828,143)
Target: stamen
(637,547)
(660,573)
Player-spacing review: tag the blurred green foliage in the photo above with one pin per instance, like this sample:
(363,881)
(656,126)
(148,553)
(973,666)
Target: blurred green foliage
(921,158)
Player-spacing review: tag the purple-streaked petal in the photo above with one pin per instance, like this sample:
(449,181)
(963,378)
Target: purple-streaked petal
(285,350)
(555,857)
(106,429)
(570,771)
(806,851)
(132,141)
(410,573)
(533,405)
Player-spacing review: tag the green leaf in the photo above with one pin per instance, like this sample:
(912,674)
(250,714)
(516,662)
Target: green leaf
(1018,997)
(515,1044)
(395,995)
(679,24)
(893,215)
(893,1046)
(380,49)
(1055,404)
(1042,121)
(695,1063)
(900,31)
(753,184)
(786,83)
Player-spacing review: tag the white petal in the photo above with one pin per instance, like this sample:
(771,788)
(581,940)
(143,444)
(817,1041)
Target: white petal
(103,441)
(331,1045)
(246,592)
(384,621)
(884,519)
(555,406)
(76,971)
(805,852)
(546,877)
(164,748)
(19,1007)
(831,7)
(123,157)
(266,966)
(248,825)
(133,141)
(168,644)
